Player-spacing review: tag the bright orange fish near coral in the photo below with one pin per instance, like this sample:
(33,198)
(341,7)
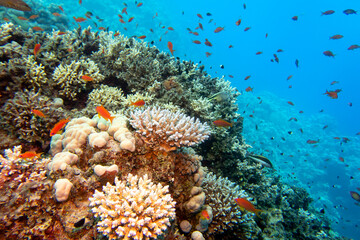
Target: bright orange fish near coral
(30,154)
(86,78)
(37,49)
(38,113)
(243,203)
(204,214)
(222,123)
(58,126)
(138,103)
(102,112)
(170,46)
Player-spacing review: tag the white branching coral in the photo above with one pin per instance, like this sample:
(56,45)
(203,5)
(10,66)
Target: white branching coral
(68,76)
(161,128)
(133,209)
(35,73)
(220,196)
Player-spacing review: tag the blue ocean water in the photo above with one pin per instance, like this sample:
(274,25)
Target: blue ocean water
(316,167)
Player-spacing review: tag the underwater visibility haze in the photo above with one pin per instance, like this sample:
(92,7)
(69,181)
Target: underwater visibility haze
(179,119)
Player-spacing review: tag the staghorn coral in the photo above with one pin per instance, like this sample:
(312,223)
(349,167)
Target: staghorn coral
(68,77)
(133,209)
(21,122)
(168,130)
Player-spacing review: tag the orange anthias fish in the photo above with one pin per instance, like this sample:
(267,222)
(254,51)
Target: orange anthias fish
(36,28)
(15,4)
(30,154)
(218,29)
(207,43)
(22,18)
(248,89)
(291,103)
(37,49)
(124,10)
(33,16)
(333,94)
(104,113)
(248,206)
(238,22)
(337,36)
(86,78)
(79,19)
(38,113)
(170,46)
(204,214)
(58,126)
(247,77)
(130,19)
(138,103)
(222,123)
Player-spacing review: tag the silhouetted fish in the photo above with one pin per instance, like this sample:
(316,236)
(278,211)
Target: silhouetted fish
(15,4)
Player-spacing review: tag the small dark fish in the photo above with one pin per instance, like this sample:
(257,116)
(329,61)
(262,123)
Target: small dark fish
(329,53)
(328,12)
(222,66)
(355,196)
(349,11)
(15,4)
(353,47)
(297,63)
(295,18)
(322,210)
(208,14)
(260,159)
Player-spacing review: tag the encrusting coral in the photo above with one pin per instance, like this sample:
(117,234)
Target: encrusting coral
(133,209)
(168,130)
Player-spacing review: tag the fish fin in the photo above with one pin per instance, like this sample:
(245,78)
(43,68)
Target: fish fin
(111,118)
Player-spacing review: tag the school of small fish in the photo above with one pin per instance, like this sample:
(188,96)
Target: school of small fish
(125,20)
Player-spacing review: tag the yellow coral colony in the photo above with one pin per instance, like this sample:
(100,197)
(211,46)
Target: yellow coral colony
(133,209)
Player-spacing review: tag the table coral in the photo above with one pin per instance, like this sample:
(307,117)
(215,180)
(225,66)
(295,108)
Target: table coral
(168,130)
(133,209)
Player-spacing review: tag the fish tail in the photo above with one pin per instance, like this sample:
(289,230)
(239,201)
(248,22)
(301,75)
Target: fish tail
(111,118)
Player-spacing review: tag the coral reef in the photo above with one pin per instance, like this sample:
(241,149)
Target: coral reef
(21,122)
(68,77)
(221,194)
(133,209)
(168,130)
(168,141)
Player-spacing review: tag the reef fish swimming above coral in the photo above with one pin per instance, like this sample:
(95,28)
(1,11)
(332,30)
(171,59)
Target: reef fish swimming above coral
(15,4)
(137,146)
